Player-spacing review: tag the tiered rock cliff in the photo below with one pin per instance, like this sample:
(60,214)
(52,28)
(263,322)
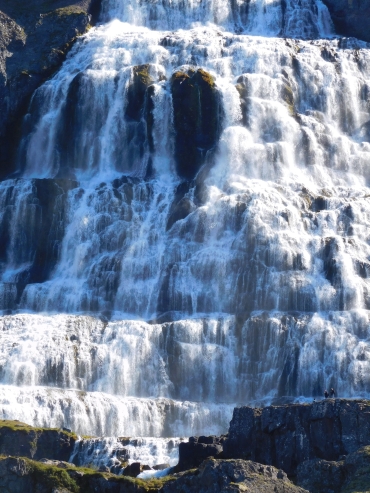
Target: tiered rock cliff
(34,40)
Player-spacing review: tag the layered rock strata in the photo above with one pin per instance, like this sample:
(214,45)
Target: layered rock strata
(286,436)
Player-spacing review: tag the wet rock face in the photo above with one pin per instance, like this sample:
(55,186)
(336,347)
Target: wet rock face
(141,80)
(39,239)
(18,439)
(286,436)
(197,449)
(196,108)
(220,476)
(34,41)
(81,114)
(350,17)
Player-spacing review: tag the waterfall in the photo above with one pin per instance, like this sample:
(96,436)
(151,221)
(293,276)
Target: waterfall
(188,228)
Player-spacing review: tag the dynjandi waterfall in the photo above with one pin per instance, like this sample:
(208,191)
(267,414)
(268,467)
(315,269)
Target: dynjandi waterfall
(140,299)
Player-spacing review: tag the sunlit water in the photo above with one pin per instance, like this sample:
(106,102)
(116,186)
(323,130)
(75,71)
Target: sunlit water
(145,328)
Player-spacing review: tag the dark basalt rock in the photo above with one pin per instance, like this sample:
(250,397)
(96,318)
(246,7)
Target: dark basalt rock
(34,40)
(39,242)
(181,205)
(19,439)
(221,476)
(194,452)
(345,476)
(286,436)
(321,476)
(133,470)
(136,92)
(196,105)
(350,17)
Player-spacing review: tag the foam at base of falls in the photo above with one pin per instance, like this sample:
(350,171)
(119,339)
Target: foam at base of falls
(96,413)
(112,452)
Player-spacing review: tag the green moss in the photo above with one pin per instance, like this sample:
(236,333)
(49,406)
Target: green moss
(207,78)
(52,477)
(179,76)
(19,426)
(141,73)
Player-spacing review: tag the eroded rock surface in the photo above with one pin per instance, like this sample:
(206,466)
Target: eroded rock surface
(286,436)
(350,474)
(221,476)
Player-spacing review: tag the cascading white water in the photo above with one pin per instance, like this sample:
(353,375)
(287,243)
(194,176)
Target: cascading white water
(134,319)
(115,452)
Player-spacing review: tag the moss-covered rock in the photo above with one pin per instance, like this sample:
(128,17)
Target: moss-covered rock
(196,106)
(136,92)
(19,439)
(21,475)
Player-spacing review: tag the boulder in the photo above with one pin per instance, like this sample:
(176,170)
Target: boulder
(133,470)
(196,108)
(197,449)
(221,476)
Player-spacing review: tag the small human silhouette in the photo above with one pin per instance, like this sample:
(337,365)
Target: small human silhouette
(326,394)
(332,393)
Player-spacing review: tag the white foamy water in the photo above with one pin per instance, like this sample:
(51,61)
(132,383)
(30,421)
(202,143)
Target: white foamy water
(115,452)
(145,305)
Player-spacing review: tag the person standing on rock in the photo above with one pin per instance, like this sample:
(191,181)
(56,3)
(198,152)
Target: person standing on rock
(332,393)
(326,394)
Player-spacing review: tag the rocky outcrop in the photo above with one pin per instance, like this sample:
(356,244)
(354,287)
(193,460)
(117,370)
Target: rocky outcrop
(196,108)
(350,17)
(345,476)
(197,449)
(221,476)
(19,439)
(286,436)
(20,475)
(34,40)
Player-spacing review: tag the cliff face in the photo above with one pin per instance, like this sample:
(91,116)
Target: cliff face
(350,17)
(286,436)
(35,38)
